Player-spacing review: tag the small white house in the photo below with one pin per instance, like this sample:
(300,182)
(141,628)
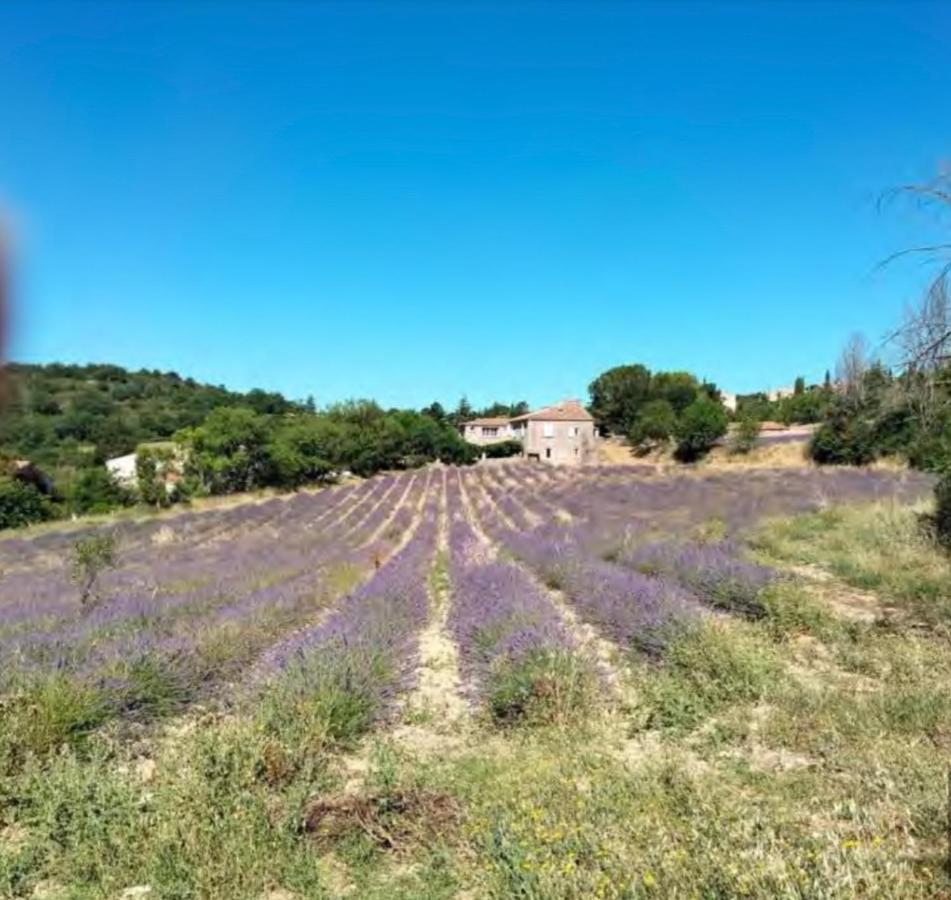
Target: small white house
(122,469)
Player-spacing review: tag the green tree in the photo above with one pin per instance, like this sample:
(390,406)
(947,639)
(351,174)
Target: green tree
(679,389)
(617,395)
(653,425)
(699,427)
(745,436)
(91,556)
(228,452)
(94,490)
(21,504)
(152,466)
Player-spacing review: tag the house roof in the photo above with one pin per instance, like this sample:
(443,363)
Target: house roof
(494,421)
(565,411)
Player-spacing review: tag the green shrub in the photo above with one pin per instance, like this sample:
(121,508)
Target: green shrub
(94,490)
(21,504)
(654,425)
(700,426)
(708,668)
(47,715)
(745,436)
(543,687)
(502,449)
(842,441)
(942,515)
(91,556)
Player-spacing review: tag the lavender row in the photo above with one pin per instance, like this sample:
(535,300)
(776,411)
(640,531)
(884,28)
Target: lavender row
(632,609)
(368,644)
(213,570)
(713,572)
(499,617)
(188,620)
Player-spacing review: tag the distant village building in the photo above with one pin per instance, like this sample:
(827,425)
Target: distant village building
(124,472)
(728,400)
(487,430)
(779,393)
(561,434)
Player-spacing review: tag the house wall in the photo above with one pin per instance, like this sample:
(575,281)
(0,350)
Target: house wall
(477,434)
(561,443)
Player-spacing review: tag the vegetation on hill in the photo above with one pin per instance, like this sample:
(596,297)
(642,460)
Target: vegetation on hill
(806,405)
(70,419)
(66,416)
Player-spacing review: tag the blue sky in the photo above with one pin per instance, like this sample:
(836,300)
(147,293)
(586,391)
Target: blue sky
(412,201)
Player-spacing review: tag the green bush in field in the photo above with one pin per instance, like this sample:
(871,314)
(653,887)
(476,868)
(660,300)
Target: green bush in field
(654,425)
(700,426)
(746,434)
(91,556)
(543,687)
(942,515)
(502,450)
(94,490)
(21,504)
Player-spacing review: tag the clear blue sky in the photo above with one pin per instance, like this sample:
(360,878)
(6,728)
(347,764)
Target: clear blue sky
(414,200)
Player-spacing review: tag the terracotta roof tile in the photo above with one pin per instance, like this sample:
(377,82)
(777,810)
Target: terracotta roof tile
(566,411)
(496,421)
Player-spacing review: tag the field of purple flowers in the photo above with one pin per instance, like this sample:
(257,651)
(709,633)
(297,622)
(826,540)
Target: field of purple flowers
(205,601)
(303,619)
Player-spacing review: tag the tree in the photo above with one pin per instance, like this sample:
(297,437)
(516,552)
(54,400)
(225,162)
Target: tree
(91,556)
(852,366)
(228,452)
(925,334)
(655,424)
(21,504)
(699,427)
(746,435)
(617,395)
(435,412)
(94,490)
(799,386)
(152,465)
(680,389)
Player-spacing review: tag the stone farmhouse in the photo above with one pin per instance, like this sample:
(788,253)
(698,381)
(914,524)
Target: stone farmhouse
(561,434)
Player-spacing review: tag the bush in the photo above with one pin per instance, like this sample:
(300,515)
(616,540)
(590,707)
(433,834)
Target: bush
(94,490)
(655,424)
(942,518)
(544,688)
(21,504)
(91,556)
(745,436)
(844,442)
(699,428)
(502,449)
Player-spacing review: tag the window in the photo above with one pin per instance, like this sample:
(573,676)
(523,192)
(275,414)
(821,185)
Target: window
(575,431)
(548,453)
(548,429)
(490,432)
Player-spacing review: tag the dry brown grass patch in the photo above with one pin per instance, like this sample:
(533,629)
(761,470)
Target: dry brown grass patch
(396,820)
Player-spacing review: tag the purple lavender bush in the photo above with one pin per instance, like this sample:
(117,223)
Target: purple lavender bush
(713,572)
(514,649)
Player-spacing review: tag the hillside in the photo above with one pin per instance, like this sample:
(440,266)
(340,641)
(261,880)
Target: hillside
(66,416)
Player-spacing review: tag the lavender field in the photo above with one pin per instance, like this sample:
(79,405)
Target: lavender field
(406,624)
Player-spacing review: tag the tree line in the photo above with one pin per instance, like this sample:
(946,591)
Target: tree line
(193,439)
(898,403)
(651,409)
